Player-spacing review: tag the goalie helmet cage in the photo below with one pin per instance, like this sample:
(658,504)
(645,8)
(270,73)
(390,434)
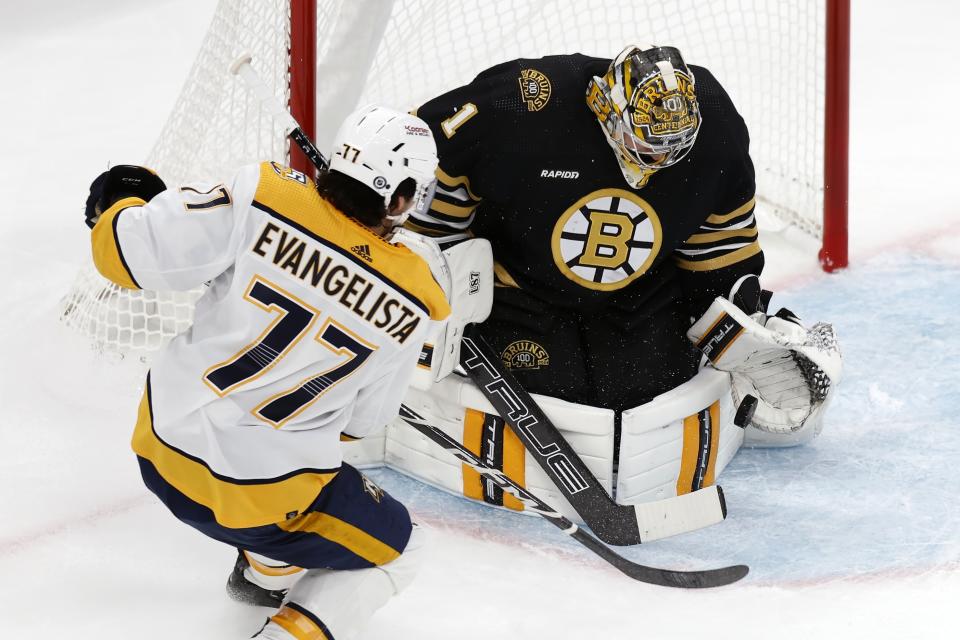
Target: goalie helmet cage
(785,65)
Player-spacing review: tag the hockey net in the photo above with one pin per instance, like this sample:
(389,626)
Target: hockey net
(770,56)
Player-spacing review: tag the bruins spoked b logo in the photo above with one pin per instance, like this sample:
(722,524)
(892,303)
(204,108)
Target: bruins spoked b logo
(606,239)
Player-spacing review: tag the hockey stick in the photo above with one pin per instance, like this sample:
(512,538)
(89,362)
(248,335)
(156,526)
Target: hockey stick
(242,67)
(613,523)
(651,575)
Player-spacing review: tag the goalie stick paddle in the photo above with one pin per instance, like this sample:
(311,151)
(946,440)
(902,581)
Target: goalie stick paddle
(613,523)
(662,577)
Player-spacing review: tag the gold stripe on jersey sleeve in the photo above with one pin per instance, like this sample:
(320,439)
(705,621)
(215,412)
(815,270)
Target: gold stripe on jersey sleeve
(453,210)
(452,182)
(352,538)
(236,504)
(472,431)
(107,254)
(298,625)
(719,218)
(301,204)
(713,236)
(725,260)
(514,465)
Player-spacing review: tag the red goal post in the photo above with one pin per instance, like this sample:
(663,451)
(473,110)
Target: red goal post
(784,63)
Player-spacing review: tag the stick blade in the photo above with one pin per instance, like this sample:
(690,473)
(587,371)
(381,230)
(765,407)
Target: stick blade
(705,579)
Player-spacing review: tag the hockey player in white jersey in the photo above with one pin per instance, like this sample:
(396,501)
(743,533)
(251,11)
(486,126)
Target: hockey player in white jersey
(308,333)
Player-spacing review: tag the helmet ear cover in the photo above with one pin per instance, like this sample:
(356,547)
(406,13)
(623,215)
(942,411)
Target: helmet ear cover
(647,106)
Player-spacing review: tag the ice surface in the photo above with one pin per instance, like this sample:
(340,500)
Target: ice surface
(854,536)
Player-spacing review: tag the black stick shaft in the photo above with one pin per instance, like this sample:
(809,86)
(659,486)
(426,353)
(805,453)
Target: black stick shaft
(313,154)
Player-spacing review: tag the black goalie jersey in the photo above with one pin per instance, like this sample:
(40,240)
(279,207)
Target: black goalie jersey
(599,281)
(524,163)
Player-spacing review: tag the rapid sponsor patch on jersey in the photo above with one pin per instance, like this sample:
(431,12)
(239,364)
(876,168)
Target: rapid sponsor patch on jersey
(559,173)
(535,89)
(606,239)
(525,354)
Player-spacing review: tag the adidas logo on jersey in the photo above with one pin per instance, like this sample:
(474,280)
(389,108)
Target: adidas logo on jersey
(362,250)
(557,173)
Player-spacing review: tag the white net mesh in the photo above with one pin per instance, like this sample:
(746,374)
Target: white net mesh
(768,55)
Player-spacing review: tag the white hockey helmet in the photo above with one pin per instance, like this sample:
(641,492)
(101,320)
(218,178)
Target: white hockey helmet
(381,147)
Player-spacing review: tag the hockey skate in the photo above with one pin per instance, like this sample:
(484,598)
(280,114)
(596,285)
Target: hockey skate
(241,589)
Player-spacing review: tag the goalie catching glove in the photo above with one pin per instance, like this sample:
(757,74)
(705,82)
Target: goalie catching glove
(789,369)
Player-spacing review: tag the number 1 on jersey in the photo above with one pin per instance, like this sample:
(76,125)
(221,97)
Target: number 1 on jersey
(457,120)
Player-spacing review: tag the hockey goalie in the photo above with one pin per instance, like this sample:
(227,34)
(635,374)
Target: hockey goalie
(596,217)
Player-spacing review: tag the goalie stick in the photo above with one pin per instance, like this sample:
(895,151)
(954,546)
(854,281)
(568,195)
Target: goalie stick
(651,575)
(613,523)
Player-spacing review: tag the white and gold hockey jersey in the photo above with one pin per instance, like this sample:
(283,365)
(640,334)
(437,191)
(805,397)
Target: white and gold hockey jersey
(311,326)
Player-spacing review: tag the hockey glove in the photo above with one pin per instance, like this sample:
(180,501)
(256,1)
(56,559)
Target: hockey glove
(121,181)
(791,371)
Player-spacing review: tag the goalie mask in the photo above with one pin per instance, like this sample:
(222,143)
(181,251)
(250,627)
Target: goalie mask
(381,147)
(647,108)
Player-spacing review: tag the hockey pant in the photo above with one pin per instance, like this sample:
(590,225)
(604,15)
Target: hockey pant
(356,542)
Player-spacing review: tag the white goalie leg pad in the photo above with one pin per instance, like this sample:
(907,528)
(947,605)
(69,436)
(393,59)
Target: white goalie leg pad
(679,442)
(457,407)
(338,604)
